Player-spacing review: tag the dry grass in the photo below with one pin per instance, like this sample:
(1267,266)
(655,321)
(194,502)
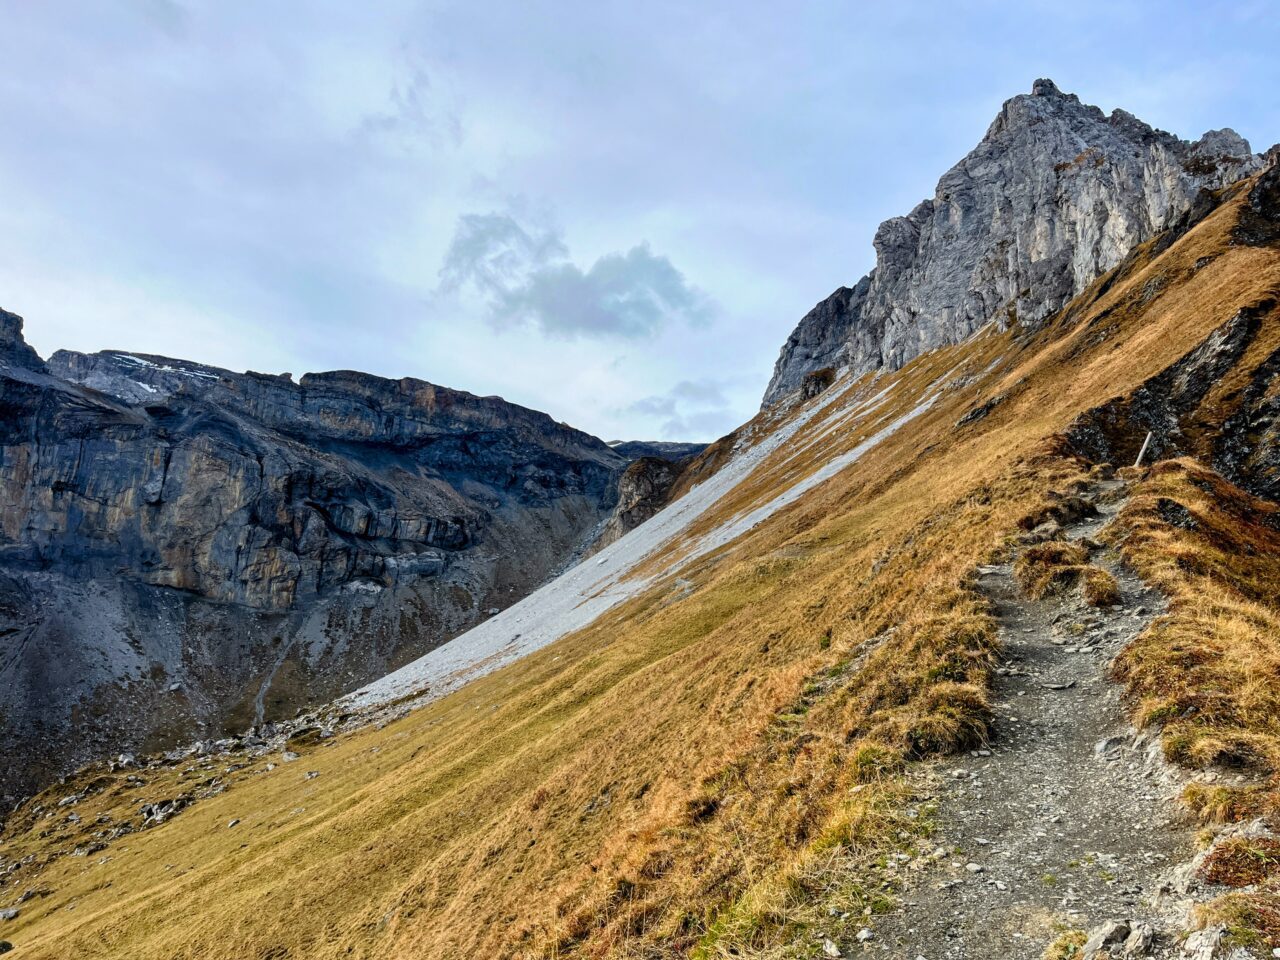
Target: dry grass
(1252,919)
(699,771)
(1066,946)
(1209,671)
(1099,588)
(1048,568)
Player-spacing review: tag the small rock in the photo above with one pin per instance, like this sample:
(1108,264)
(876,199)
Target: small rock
(1109,748)
(1140,940)
(9,914)
(829,948)
(232,824)
(1203,944)
(289,756)
(1112,933)
(312,774)
(865,934)
(974,867)
(5,946)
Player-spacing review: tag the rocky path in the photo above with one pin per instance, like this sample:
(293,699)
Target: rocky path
(1064,822)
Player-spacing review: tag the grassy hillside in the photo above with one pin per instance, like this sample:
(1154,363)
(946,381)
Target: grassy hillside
(713,764)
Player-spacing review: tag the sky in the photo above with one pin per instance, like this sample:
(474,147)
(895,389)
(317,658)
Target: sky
(613,212)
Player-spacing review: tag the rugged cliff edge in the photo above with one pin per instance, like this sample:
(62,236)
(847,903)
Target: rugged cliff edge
(1055,194)
(186,551)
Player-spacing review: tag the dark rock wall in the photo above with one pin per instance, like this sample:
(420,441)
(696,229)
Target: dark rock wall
(185,551)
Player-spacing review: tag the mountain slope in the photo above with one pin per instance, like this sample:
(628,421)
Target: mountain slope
(186,551)
(711,762)
(1054,195)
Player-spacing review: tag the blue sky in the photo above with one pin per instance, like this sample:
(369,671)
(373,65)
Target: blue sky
(614,212)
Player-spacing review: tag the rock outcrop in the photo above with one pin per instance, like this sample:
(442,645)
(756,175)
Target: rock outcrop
(1055,194)
(643,489)
(187,551)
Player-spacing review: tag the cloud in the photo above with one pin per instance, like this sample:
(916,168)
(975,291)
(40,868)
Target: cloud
(690,410)
(526,278)
(414,116)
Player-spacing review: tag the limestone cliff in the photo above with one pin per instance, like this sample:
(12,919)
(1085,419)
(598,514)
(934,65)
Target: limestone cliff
(185,551)
(1055,194)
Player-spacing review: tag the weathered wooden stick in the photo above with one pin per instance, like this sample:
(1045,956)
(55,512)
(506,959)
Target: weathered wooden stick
(1143,452)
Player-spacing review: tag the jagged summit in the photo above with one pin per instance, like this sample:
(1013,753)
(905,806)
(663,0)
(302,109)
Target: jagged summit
(1055,193)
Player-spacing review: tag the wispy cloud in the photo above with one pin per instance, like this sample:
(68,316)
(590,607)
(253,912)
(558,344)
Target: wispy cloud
(526,278)
(691,409)
(415,115)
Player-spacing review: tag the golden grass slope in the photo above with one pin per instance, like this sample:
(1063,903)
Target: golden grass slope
(699,771)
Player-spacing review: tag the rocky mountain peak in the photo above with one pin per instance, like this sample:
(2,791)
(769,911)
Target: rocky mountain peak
(14,349)
(1045,87)
(1055,194)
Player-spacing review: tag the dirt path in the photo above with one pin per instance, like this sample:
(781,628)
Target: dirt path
(1064,823)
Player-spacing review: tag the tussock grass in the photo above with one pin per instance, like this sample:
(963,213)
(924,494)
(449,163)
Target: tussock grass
(1051,567)
(1099,588)
(1252,919)
(1066,946)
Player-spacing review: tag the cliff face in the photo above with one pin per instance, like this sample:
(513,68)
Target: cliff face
(186,551)
(1055,194)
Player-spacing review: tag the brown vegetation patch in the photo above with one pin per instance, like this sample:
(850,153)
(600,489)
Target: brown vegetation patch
(1099,588)
(1242,862)
(1047,568)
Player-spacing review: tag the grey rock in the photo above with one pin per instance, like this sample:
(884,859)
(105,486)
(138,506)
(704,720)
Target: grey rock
(1142,937)
(162,519)
(1055,194)
(661,449)
(5,946)
(1204,944)
(1103,937)
(643,489)
(14,350)
(289,756)
(9,914)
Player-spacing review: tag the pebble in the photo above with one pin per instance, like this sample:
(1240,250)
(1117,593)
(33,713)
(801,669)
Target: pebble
(9,914)
(232,824)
